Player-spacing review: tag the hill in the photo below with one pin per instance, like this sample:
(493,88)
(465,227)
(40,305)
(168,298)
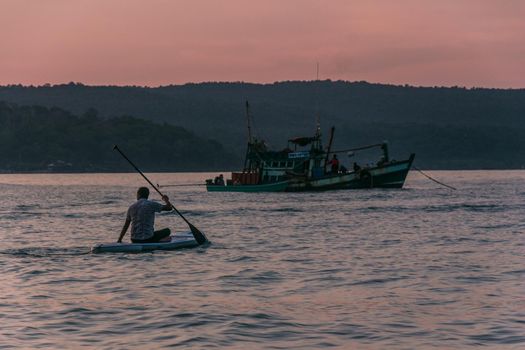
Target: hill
(36,138)
(448,128)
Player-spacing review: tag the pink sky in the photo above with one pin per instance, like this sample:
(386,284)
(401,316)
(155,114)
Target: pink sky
(159,42)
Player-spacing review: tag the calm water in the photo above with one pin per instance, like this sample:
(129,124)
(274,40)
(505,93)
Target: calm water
(423,267)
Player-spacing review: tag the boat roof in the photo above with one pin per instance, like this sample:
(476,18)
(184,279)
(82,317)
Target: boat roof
(302,141)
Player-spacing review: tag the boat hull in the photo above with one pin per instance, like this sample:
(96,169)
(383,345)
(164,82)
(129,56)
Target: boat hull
(269,187)
(392,175)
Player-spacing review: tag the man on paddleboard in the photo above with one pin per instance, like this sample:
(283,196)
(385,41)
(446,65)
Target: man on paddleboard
(141,216)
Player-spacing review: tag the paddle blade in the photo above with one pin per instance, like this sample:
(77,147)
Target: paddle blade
(198,235)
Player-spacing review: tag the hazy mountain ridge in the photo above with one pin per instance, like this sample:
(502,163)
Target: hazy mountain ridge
(446,127)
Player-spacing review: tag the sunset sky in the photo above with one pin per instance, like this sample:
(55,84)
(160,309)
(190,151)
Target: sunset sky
(159,42)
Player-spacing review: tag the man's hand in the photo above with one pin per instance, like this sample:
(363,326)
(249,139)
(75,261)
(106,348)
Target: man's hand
(168,206)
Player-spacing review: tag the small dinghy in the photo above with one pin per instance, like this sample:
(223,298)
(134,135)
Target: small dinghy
(178,241)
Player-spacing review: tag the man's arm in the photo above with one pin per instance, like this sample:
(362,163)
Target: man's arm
(124,230)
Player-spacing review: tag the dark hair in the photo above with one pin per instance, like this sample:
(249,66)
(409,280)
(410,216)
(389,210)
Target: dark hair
(143,192)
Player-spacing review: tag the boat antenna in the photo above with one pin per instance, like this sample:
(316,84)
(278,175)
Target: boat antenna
(318,117)
(248,118)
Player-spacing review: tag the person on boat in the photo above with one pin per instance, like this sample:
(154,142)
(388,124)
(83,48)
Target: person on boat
(141,216)
(357,168)
(219,180)
(335,164)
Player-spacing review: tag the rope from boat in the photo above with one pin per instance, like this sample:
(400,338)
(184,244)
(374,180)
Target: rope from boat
(431,178)
(181,185)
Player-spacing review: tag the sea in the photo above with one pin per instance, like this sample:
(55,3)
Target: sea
(423,267)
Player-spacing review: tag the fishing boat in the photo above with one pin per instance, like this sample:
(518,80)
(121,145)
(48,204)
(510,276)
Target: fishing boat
(178,241)
(305,165)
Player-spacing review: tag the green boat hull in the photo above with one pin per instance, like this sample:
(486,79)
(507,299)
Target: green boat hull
(392,175)
(268,187)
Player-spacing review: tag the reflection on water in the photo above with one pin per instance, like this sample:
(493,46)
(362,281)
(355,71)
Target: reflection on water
(423,267)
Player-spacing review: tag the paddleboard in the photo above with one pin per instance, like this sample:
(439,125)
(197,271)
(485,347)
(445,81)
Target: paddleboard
(179,240)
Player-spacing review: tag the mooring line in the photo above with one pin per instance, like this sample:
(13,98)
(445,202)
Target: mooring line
(431,178)
(181,185)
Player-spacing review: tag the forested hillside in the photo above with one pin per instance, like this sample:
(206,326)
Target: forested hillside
(447,128)
(36,138)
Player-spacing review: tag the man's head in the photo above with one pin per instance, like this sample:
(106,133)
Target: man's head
(142,192)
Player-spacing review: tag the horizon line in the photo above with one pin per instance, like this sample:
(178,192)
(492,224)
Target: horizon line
(406,85)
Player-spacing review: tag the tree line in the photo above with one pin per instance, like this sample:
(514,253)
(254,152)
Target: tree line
(36,138)
(447,127)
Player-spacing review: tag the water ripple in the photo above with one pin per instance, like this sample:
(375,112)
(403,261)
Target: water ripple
(418,268)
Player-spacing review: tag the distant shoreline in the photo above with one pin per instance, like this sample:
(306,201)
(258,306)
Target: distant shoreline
(108,172)
(199,171)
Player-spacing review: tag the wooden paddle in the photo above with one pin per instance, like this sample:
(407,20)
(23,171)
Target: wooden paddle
(198,235)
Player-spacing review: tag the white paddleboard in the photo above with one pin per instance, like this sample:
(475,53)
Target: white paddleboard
(179,240)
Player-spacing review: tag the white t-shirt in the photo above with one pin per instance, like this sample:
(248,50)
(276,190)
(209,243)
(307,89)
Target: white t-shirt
(142,216)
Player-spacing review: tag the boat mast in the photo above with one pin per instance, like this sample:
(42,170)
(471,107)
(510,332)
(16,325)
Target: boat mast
(332,130)
(249,139)
(318,116)
(248,117)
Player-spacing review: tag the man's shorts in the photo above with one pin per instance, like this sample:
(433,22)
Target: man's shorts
(157,236)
